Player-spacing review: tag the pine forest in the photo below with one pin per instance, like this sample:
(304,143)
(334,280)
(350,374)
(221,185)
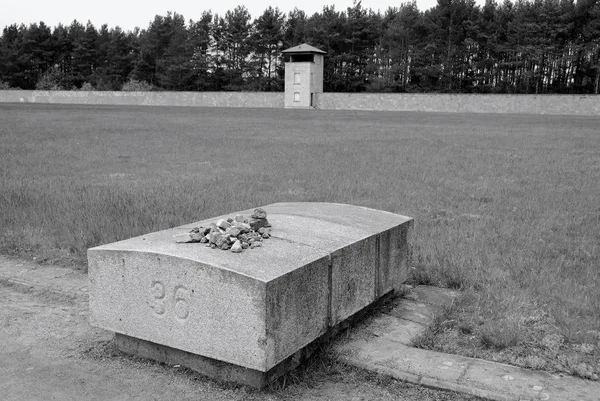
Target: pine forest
(535,47)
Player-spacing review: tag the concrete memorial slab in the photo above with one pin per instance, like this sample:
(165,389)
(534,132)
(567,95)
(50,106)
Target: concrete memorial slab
(248,316)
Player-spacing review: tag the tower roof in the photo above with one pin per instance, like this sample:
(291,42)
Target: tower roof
(303,48)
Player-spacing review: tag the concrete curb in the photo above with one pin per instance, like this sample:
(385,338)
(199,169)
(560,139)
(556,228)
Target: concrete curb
(382,345)
(425,381)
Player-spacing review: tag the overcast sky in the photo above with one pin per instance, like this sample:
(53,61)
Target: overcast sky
(129,14)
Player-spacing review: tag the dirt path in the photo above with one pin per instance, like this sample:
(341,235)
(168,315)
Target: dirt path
(50,352)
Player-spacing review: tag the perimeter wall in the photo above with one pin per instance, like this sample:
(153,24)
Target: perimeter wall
(194,99)
(585,105)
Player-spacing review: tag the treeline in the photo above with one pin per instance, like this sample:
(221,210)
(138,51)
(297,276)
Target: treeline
(540,46)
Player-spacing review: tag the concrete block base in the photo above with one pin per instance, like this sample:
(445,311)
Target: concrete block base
(258,310)
(231,373)
(213,368)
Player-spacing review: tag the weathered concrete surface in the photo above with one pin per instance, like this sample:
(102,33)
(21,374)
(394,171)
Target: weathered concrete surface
(254,309)
(584,105)
(209,302)
(222,371)
(382,344)
(489,380)
(359,240)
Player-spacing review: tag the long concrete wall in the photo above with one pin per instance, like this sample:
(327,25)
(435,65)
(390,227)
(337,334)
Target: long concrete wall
(196,99)
(587,105)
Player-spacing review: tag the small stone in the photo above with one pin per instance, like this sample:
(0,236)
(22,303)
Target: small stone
(234,231)
(221,240)
(259,213)
(196,236)
(225,246)
(263,230)
(243,237)
(237,247)
(239,218)
(255,244)
(266,235)
(245,245)
(183,238)
(254,237)
(257,224)
(244,228)
(204,239)
(229,220)
(224,224)
(213,246)
(212,237)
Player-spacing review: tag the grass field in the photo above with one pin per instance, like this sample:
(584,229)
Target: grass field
(507,207)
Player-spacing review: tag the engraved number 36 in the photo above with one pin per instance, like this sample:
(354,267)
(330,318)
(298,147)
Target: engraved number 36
(161,300)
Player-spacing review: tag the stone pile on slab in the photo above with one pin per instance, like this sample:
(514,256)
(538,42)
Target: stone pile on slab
(233,233)
(247,318)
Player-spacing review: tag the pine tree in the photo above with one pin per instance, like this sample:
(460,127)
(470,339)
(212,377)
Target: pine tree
(266,42)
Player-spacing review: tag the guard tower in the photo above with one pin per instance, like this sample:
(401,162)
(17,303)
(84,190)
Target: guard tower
(303,75)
